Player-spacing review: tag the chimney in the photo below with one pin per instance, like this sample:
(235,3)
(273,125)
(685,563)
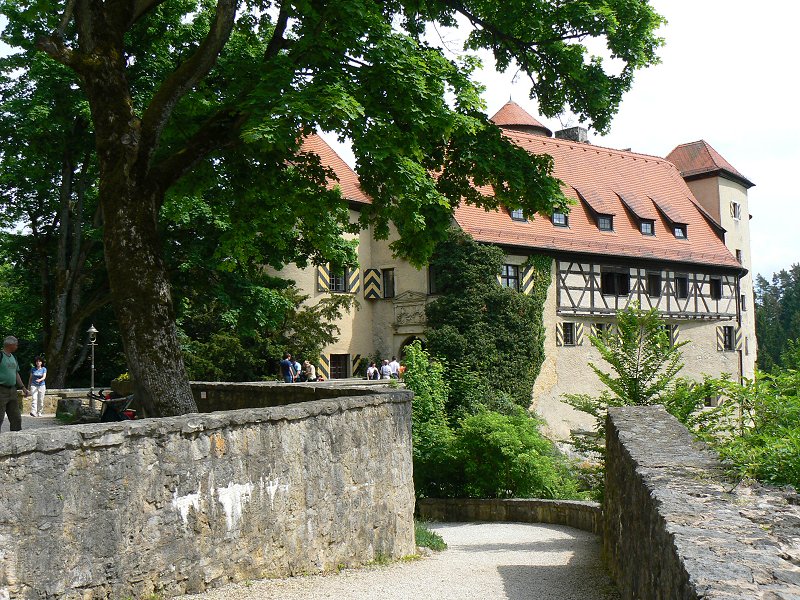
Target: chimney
(574,134)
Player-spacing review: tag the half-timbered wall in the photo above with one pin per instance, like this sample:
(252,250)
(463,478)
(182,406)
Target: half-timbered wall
(581,291)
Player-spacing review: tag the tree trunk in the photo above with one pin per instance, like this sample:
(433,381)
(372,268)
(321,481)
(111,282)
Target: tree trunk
(141,297)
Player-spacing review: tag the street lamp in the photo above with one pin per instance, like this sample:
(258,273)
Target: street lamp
(92,342)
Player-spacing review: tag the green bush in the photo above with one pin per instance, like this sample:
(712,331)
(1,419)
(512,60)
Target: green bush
(505,456)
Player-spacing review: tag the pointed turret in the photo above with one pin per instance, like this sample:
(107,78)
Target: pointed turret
(513,116)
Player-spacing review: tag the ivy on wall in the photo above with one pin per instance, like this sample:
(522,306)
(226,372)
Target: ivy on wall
(490,337)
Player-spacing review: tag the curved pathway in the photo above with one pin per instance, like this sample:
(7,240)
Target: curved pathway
(484,561)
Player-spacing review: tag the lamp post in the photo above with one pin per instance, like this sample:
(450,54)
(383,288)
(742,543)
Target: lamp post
(92,342)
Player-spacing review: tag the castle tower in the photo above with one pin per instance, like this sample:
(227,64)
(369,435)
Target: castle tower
(722,192)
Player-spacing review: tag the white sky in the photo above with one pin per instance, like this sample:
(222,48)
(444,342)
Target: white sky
(726,65)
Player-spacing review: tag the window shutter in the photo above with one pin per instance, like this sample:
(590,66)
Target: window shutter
(325,366)
(373,284)
(353,279)
(559,334)
(579,334)
(737,332)
(526,280)
(720,338)
(595,330)
(323,279)
(356,362)
(674,334)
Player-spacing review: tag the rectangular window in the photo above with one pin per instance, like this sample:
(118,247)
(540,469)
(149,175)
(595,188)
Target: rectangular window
(433,283)
(605,223)
(739,255)
(680,232)
(742,302)
(560,219)
(716,288)
(736,210)
(517,214)
(681,286)
(569,334)
(338,280)
(339,366)
(509,277)
(654,285)
(728,342)
(388,283)
(615,282)
(647,228)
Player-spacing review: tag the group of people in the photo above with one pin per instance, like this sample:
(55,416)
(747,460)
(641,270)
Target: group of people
(10,379)
(294,372)
(389,369)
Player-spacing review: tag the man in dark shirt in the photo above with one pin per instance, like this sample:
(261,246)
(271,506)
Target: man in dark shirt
(287,372)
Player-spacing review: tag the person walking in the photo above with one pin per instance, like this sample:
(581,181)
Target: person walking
(9,380)
(37,386)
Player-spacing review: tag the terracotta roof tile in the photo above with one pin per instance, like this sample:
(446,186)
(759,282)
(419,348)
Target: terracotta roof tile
(513,116)
(595,201)
(639,205)
(607,172)
(348,180)
(699,158)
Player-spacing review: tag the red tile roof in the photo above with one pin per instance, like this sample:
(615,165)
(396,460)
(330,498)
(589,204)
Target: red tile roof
(696,159)
(347,179)
(602,176)
(513,116)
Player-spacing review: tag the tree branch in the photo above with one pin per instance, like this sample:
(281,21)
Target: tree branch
(183,79)
(220,131)
(506,37)
(55,48)
(277,42)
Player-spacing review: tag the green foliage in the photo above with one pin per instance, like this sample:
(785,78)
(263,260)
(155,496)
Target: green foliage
(491,337)
(643,363)
(486,454)
(505,456)
(777,316)
(425,538)
(766,443)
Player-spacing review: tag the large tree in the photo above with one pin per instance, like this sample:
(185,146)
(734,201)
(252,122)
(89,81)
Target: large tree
(229,88)
(777,316)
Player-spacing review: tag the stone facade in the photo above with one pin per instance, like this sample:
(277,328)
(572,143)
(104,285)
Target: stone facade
(179,504)
(675,528)
(572,513)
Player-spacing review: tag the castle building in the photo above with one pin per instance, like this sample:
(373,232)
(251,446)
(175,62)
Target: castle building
(667,233)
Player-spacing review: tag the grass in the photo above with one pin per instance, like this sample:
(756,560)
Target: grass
(427,538)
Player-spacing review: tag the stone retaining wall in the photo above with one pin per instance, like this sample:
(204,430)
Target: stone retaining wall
(674,528)
(178,504)
(573,513)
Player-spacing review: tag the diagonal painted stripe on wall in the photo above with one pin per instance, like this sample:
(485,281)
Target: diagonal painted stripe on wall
(372,284)
(325,366)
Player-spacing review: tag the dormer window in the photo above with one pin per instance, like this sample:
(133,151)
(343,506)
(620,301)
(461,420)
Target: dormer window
(680,232)
(560,219)
(517,214)
(647,227)
(605,222)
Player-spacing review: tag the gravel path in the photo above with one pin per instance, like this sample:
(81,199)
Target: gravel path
(29,422)
(484,561)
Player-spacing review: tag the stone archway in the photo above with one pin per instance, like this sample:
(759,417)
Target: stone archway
(408,341)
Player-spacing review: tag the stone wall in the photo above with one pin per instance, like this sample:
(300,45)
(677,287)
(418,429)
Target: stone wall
(675,528)
(572,513)
(178,504)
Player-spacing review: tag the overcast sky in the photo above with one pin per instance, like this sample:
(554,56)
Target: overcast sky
(727,65)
